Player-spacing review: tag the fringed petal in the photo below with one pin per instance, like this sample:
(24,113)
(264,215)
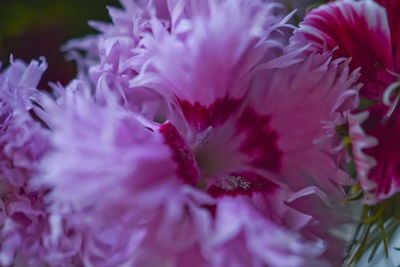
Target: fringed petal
(343,26)
(375,148)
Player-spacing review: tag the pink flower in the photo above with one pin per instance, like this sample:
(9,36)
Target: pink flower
(235,108)
(23,142)
(342,26)
(238,154)
(204,142)
(129,205)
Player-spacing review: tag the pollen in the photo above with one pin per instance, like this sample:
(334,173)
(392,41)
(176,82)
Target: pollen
(234,182)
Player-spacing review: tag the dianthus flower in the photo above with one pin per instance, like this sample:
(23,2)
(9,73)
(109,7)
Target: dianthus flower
(205,141)
(342,27)
(23,142)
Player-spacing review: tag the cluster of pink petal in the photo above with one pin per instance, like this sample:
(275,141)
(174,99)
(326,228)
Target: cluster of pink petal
(24,225)
(194,135)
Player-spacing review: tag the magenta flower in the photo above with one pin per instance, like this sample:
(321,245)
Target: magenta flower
(342,26)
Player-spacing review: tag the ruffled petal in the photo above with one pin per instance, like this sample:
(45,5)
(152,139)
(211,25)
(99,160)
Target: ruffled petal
(359,30)
(206,69)
(244,237)
(317,96)
(375,147)
(96,132)
(392,9)
(126,204)
(23,143)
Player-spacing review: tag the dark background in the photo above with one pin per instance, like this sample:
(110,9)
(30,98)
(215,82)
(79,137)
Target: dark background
(33,28)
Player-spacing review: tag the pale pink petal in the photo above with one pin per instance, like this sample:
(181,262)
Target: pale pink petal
(159,217)
(23,143)
(318,94)
(244,237)
(206,70)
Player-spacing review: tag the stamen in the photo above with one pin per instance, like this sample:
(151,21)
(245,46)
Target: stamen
(233,182)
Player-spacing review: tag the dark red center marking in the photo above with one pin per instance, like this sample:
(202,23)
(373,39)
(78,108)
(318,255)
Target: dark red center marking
(260,144)
(182,154)
(200,117)
(257,146)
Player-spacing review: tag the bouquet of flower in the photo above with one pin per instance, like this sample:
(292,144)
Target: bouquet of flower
(208,133)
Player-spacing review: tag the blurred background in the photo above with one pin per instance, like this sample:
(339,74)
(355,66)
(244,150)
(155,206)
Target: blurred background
(33,28)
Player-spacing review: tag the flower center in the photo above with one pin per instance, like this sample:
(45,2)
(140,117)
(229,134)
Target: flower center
(226,156)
